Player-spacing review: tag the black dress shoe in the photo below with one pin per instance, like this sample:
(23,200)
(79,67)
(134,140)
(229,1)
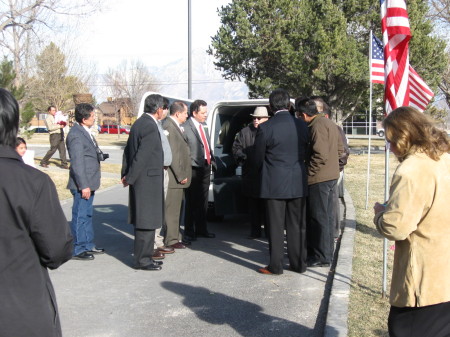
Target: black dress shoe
(186,242)
(189,238)
(84,256)
(159,263)
(96,250)
(206,235)
(151,266)
(317,263)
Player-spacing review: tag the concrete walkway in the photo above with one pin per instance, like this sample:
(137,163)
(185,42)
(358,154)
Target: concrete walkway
(211,289)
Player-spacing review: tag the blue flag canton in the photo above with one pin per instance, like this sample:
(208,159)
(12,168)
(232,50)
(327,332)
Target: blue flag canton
(377,49)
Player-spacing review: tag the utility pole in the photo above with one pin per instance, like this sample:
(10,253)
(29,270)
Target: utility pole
(189,52)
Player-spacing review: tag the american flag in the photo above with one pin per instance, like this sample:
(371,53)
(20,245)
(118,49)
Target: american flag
(419,93)
(403,86)
(377,61)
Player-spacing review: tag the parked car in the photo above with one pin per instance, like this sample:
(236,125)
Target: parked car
(38,129)
(114,129)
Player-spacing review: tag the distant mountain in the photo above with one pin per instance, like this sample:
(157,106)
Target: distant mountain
(207,82)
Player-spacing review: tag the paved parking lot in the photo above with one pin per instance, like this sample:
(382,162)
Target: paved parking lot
(211,289)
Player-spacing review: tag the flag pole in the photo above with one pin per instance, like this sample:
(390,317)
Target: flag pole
(386,197)
(370,121)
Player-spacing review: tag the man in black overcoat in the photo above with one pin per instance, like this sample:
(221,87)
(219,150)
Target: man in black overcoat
(280,148)
(34,236)
(142,170)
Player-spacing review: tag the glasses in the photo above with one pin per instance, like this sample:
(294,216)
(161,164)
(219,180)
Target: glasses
(259,118)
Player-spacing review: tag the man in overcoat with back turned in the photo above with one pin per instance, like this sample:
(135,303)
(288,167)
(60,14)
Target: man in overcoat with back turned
(280,149)
(34,236)
(142,170)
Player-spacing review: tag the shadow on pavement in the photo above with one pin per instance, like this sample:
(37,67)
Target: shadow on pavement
(113,233)
(246,318)
(231,243)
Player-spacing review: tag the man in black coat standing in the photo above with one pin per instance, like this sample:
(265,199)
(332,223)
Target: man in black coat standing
(280,149)
(34,236)
(142,170)
(242,149)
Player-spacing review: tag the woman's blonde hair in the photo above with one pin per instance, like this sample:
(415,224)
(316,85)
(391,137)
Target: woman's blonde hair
(412,131)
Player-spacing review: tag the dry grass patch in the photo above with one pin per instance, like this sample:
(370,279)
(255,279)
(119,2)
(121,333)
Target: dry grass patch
(364,142)
(61,177)
(102,140)
(368,311)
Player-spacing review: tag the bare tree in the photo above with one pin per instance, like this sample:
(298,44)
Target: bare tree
(440,13)
(130,80)
(440,10)
(23,21)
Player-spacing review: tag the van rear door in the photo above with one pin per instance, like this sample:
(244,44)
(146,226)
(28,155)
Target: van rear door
(226,119)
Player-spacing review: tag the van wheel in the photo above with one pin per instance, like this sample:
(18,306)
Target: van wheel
(381,133)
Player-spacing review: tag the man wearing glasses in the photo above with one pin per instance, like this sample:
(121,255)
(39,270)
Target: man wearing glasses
(242,153)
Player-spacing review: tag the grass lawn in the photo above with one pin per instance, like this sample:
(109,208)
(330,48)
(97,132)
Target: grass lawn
(61,177)
(102,140)
(368,311)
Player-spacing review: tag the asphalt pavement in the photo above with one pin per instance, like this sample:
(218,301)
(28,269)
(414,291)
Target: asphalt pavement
(209,289)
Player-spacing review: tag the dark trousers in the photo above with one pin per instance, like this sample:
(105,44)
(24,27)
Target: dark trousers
(320,222)
(197,201)
(56,143)
(144,240)
(429,321)
(257,217)
(289,214)
(174,201)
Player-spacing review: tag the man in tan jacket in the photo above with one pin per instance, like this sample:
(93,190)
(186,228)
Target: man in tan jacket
(325,149)
(56,139)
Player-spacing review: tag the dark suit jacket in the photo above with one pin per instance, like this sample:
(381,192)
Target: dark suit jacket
(143,167)
(181,160)
(280,149)
(196,145)
(84,164)
(34,236)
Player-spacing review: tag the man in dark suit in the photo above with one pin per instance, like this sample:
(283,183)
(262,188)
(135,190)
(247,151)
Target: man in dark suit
(180,173)
(280,148)
(84,180)
(142,170)
(202,160)
(34,236)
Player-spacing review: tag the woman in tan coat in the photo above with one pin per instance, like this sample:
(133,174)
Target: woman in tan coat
(417,218)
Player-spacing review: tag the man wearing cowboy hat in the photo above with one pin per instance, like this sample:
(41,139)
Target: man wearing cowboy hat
(242,148)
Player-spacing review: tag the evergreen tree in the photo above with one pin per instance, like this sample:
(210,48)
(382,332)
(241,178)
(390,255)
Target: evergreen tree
(315,47)
(52,84)
(7,77)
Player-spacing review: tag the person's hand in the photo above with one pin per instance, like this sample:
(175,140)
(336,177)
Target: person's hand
(124,181)
(377,208)
(86,193)
(184,181)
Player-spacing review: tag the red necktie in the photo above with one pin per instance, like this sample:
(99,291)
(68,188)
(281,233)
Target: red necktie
(205,144)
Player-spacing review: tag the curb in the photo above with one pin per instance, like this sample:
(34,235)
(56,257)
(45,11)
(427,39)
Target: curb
(337,317)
